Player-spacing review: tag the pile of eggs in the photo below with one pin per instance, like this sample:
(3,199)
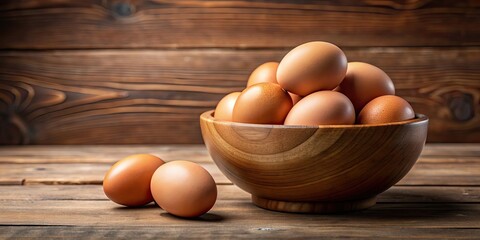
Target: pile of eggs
(315,85)
(182,188)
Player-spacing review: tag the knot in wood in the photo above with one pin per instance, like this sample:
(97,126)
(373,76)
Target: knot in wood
(123,9)
(461,106)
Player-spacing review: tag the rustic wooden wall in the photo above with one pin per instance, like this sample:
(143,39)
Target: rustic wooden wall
(138,71)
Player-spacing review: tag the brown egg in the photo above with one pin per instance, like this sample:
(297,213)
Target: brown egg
(386,109)
(224,109)
(128,180)
(322,108)
(266,72)
(184,189)
(262,103)
(364,82)
(312,67)
(295,98)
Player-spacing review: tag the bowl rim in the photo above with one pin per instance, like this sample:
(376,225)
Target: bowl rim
(208,116)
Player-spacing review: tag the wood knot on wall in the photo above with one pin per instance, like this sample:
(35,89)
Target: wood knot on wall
(120,9)
(123,9)
(461,106)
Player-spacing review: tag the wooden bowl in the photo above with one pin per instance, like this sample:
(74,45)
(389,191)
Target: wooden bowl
(314,169)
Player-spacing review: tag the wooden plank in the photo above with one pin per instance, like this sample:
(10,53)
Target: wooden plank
(11,181)
(443,174)
(99,153)
(432,153)
(74,173)
(448,174)
(407,211)
(236,232)
(237,213)
(460,150)
(156,96)
(399,214)
(396,194)
(71,24)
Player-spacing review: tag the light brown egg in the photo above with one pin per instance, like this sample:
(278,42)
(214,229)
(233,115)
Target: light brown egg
(386,109)
(224,109)
(128,180)
(322,108)
(262,103)
(295,98)
(184,189)
(364,82)
(312,67)
(266,72)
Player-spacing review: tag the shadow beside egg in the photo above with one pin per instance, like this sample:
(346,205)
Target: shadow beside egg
(207,217)
(125,208)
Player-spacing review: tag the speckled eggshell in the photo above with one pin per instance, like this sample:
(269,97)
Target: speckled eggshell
(312,67)
(364,82)
(224,109)
(322,108)
(386,109)
(262,103)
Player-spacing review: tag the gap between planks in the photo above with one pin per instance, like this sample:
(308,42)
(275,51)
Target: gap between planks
(396,194)
(196,152)
(237,213)
(244,232)
(457,174)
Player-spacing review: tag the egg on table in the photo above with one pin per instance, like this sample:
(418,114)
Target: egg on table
(183,188)
(128,180)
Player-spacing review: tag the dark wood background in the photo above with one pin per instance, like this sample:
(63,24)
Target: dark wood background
(137,71)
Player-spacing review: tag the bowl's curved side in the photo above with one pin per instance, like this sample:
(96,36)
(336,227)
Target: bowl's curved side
(314,164)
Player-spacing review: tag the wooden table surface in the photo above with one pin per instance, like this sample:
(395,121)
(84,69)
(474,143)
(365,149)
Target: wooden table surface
(55,191)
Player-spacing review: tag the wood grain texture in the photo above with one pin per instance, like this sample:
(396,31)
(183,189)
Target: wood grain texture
(314,169)
(396,194)
(439,164)
(82,211)
(54,24)
(99,153)
(150,96)
(262,231)
(432,153)
(236,214)
(462,151)
(427,171)
(73,173)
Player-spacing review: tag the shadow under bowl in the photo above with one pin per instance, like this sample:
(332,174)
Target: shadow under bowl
(314,169)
